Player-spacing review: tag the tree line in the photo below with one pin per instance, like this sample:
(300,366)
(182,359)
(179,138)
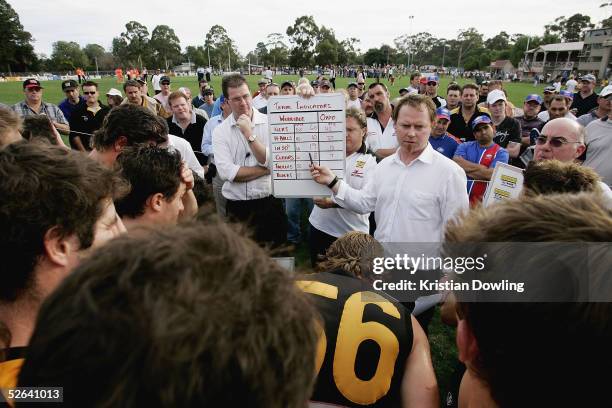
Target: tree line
(304,44)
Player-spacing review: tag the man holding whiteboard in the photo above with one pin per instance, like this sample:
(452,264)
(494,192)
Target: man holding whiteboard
(241,156)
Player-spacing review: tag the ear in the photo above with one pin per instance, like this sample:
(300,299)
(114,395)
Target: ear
(60,250)
(466,342)
(155,202)
(579,150)
(120,143)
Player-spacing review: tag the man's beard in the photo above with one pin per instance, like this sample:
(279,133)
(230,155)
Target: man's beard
(379,107)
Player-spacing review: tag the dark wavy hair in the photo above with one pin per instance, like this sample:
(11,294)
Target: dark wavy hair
(42,187)
(195,315)
(137,124)
(149,170)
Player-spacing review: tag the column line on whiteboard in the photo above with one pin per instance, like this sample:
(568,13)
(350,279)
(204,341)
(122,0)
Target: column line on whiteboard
(295,153)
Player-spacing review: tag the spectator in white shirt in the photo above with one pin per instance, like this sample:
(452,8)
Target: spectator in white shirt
(353,92)
(241,156)
(415,191)
(329,221)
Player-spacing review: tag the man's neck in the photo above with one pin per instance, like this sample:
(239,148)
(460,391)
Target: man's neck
(438,136)
(184,123)
(586,95)
(19,318)
(468,111)
(35,106)
(498,119)
(487,144)
(73,102)
(409,157)
(95,104)
(385,115)
(601,113)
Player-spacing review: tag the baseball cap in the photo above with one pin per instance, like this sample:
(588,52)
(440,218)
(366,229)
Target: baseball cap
(606,91)
(208,91)
(534,97)
(403,90)
(314,83)
(69,85)
(287,83)
(164,79)
(432,78)
(550,89)
(31,83)
(495,95)
(423,80)
(114,92)
(566,94)
(325,82)
(262,81)
(589,78)
(352,84)
(482,119)
(443,113)
(141,81)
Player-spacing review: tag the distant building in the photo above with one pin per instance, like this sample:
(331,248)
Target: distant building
(595,55)
(501,68)
(185,67)
(554,59)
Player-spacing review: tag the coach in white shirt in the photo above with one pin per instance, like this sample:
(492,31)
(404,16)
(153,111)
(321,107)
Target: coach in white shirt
(415,191)
(241,156)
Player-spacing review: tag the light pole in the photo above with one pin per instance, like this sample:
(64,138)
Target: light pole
(410,18)
(443,53)
(208,50)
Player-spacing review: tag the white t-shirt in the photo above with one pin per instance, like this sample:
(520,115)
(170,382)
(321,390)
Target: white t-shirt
(184,148)
(379,139)
(155,81)
(571,85)
(354,104)
(338,221)
(557,86)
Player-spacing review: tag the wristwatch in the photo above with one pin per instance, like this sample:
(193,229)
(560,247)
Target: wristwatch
(252,138)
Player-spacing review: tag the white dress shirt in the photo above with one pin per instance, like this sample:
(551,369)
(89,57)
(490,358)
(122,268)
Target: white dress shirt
(338,221)
(379,138)
(232,151)
(354,104)
(412,202)
(184,148)
(259,102)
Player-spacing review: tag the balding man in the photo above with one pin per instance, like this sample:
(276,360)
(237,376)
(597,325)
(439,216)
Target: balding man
(563,139)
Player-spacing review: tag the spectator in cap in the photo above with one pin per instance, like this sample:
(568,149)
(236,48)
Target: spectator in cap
(548,93)
(558,108)
(262,87)
(478,157)
(431,90)
(603,107)
(199,99)
(325,86)
(422,85)
(507,129)
(261,99)
(114,97)
(209,101)
(403,92)
(442,141)
(287,88)
(529,119)
(598,132)
(144,89)
(73,99)
(162,97)
(353,93)
(34,105)
(585,100)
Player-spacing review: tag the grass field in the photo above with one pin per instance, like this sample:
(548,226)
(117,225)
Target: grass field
(12,92)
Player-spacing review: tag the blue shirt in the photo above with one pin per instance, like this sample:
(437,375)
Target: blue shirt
(472,151)
(445,145)
(208,132)
(67,108)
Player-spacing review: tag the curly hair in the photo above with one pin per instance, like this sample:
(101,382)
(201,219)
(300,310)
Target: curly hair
(553,176)
(42,187)
(9,122)
(353,252)
(38,127)
(195,315)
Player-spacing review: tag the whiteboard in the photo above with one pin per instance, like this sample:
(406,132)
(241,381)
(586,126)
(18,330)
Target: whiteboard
(301,129)
(506,184)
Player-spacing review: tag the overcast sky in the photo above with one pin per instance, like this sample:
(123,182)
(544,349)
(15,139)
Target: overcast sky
(372,22)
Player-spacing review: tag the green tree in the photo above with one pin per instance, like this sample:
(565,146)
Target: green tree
(165,45)
(500,42)
(606,22)
(16,51)
(132,46)
(197,55)
(327,48)
(569,29)
(94,52)
(67,56)
(348,53)
(278,52)
(222,48)
(303,37)
(469,40)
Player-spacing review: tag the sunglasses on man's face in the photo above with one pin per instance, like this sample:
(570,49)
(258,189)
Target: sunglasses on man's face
(89,93)
(554,141)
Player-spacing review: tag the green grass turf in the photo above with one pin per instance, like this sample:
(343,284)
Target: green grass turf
(11,92)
